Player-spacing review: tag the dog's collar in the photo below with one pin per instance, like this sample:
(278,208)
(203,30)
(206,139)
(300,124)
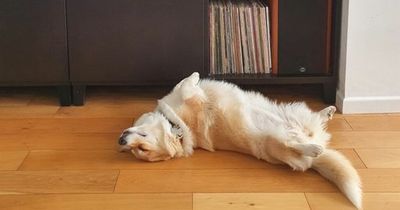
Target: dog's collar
(177,131)
(175,128)
(178,127)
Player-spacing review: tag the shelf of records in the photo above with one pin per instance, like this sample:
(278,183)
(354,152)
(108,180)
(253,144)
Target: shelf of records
(239,37)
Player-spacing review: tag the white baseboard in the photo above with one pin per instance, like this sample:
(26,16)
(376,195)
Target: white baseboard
(374,104)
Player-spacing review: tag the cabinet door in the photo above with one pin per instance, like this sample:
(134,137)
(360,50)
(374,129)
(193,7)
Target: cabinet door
(32,42)
(135,41)
(304,37)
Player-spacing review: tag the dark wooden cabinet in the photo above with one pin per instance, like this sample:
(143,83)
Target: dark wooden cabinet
(75,43)
(137,42)
(304,37)
(33,43)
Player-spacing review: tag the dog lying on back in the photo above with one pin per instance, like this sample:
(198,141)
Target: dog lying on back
(216,115)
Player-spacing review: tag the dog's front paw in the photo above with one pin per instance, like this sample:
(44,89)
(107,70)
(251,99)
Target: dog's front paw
(194,78)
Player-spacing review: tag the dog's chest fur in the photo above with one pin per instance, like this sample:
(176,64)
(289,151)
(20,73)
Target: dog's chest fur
(216,121)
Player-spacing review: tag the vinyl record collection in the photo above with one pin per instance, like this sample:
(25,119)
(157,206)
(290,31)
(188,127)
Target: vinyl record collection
(239,37)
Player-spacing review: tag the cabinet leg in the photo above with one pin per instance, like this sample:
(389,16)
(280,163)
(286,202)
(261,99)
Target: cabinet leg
(329,92)
(78,94)
(64,94)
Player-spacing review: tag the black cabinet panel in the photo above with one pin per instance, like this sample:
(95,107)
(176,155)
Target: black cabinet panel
(304,31)
(33,42)
(135,41)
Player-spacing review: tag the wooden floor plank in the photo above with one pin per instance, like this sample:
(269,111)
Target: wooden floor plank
(97,201)
(11,160)
(14,99)
(222,180)
(380,158)
(38,111)
(71,141)
(353,157)
(243,201)
(380,180)
(374,123)
(365,139)
(338,124)
(381,201)
(66,125)
(10,142)
(329,201)
(133,109)
(82,125)
(73,150)
(371,201)
(112,159)
(84,181)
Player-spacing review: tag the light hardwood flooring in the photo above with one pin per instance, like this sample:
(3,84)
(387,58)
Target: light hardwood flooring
(55,157)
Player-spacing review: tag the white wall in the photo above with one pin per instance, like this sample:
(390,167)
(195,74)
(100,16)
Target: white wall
(369,76)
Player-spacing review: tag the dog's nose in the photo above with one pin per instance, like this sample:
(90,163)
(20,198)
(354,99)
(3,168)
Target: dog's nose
(122,141)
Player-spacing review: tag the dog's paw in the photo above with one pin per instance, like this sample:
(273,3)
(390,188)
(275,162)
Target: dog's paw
(328,112)
(194,78)
(300,164)
(313,150)
(331,111)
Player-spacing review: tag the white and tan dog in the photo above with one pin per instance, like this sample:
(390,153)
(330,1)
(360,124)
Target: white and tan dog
(216,115)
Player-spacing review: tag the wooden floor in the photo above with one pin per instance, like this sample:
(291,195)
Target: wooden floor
(55,157)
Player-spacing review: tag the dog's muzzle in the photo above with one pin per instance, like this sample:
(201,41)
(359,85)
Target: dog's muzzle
(122,138)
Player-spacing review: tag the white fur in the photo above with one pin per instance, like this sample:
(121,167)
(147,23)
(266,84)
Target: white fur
(220,116)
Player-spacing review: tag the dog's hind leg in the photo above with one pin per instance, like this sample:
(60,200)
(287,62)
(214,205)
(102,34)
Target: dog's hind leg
(327,113)
(287,155)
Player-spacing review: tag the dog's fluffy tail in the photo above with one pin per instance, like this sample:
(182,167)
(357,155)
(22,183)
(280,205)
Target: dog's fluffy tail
(335,167)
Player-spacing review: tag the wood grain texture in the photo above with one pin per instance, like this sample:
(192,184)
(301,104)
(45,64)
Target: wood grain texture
(243,201)
(71,141)
(371,201)
(11,160)
(328,201)
(338,124)
(374,122)
(14,99)
(73,150)
(39,111)
(84,181)
(105,110)
(380,158)
(112,159)
(380,180)
(12,142)
(154,201)
(353,157)
(222,180)
(68,125)
(365,139)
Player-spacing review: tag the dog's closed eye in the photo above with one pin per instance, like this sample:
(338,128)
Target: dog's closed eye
(141,134)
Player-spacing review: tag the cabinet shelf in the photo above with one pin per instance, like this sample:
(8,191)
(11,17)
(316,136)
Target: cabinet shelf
(264,79)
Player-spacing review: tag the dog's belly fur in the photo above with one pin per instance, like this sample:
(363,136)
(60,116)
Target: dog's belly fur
(228,118)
